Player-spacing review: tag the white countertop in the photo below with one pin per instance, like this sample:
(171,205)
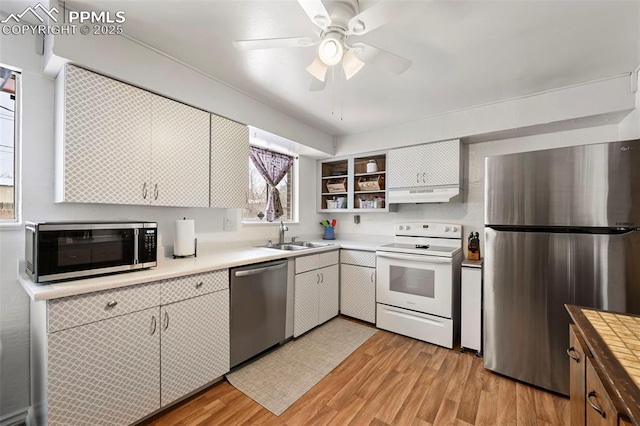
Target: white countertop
(209,260)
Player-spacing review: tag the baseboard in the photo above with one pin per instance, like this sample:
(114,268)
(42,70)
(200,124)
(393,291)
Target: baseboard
(17,418)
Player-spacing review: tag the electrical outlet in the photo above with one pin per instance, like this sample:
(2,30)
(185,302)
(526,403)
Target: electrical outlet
(356,219)
(229,222)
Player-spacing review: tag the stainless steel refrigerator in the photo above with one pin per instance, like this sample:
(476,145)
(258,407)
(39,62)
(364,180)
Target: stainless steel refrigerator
(561,226)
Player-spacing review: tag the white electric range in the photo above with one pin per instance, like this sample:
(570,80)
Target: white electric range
(418,282)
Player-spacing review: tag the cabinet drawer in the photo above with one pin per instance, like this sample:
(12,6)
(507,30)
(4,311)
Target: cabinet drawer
(600,408)
(73,311)
(181,288)
(358,257)
(316,261)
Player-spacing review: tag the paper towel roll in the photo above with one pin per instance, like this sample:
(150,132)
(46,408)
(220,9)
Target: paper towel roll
(185,240)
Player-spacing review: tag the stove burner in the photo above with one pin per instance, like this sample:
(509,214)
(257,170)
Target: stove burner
(422,246)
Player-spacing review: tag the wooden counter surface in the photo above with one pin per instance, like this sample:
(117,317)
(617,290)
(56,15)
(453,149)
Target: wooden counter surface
(614,342)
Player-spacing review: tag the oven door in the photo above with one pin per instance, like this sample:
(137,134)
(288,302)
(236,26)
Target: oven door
(72,253)
(417,282)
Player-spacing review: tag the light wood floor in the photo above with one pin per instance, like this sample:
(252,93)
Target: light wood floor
(389,380)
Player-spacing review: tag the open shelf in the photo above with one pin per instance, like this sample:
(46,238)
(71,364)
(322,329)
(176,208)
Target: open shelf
(363,178)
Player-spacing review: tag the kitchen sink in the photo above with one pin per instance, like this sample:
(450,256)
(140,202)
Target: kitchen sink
(289,247)
(298,245)
(310,244)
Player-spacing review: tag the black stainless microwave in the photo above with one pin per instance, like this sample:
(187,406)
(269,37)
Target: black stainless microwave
(66,250)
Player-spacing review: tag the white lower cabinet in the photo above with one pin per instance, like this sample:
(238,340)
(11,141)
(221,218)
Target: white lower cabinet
(328,293)
(471,306)
(358,284)
(358,292)
(194,344)
(92,370)
(106,372)
(316,292)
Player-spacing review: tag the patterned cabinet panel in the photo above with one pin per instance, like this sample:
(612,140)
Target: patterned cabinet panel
(328,293)
(195,344)
(229,163)
(106,141)
(105,373)
(179,154)
(358,292)
(358,257)
(307,263)
(305,303)
(72,311)
(431,164)
(329,258)
(180,288)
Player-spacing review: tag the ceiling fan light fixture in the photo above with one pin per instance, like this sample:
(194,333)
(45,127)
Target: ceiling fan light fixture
(351,64)
(318,69)
(331,50)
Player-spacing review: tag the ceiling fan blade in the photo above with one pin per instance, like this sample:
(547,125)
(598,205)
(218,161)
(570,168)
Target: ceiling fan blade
(273,43)
(381,58)
(351,64)
(316,11)
(372,18)
(318,69)
(316,85)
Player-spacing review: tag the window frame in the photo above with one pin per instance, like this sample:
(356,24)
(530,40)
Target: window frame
(16,222)
(294,194)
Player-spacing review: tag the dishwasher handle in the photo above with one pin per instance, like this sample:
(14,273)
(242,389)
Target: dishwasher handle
(248,272)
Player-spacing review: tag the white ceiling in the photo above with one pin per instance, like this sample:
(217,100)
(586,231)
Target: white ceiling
(465,53)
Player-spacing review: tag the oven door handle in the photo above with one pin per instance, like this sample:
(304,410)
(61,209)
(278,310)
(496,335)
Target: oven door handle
(419,257)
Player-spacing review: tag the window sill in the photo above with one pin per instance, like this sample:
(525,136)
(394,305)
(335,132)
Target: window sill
(277,223)
(11,226)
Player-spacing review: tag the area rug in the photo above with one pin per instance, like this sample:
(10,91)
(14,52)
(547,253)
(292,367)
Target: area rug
(280,378)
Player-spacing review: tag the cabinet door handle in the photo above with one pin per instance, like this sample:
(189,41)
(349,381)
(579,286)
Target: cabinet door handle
(154,324)
(573,354)
(166,320)
(417,177)
(373,274)
(599,410)
(322,275)
(144,190)
(423,177)
(112,304)
(318,276)
(155,192)
(199,284)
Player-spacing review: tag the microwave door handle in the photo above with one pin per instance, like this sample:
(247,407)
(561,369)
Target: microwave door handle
(136,254)
(419,257)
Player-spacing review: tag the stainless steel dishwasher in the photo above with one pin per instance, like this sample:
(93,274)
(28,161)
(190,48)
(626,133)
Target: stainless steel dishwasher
(258,308)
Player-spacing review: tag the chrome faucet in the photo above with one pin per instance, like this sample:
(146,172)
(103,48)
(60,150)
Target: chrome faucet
(283,228)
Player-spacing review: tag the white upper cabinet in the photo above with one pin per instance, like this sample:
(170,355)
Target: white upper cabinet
(229,163)
(118,144)
(431,164)
(103,140)
(179,154)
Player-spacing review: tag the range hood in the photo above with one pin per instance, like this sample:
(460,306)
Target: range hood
(424,195)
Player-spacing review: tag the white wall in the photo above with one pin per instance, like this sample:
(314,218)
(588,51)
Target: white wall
(38,184)
(471,213)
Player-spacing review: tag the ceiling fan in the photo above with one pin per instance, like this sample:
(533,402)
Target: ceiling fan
(338,20)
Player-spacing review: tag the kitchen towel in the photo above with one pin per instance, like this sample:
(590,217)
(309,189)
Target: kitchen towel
(185,238)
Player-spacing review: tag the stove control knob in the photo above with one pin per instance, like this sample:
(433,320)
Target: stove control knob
(455,229)
(446,229)
(401,227)
(408,227)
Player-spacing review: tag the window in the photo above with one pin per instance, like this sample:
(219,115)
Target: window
(9,86)
(257,200)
